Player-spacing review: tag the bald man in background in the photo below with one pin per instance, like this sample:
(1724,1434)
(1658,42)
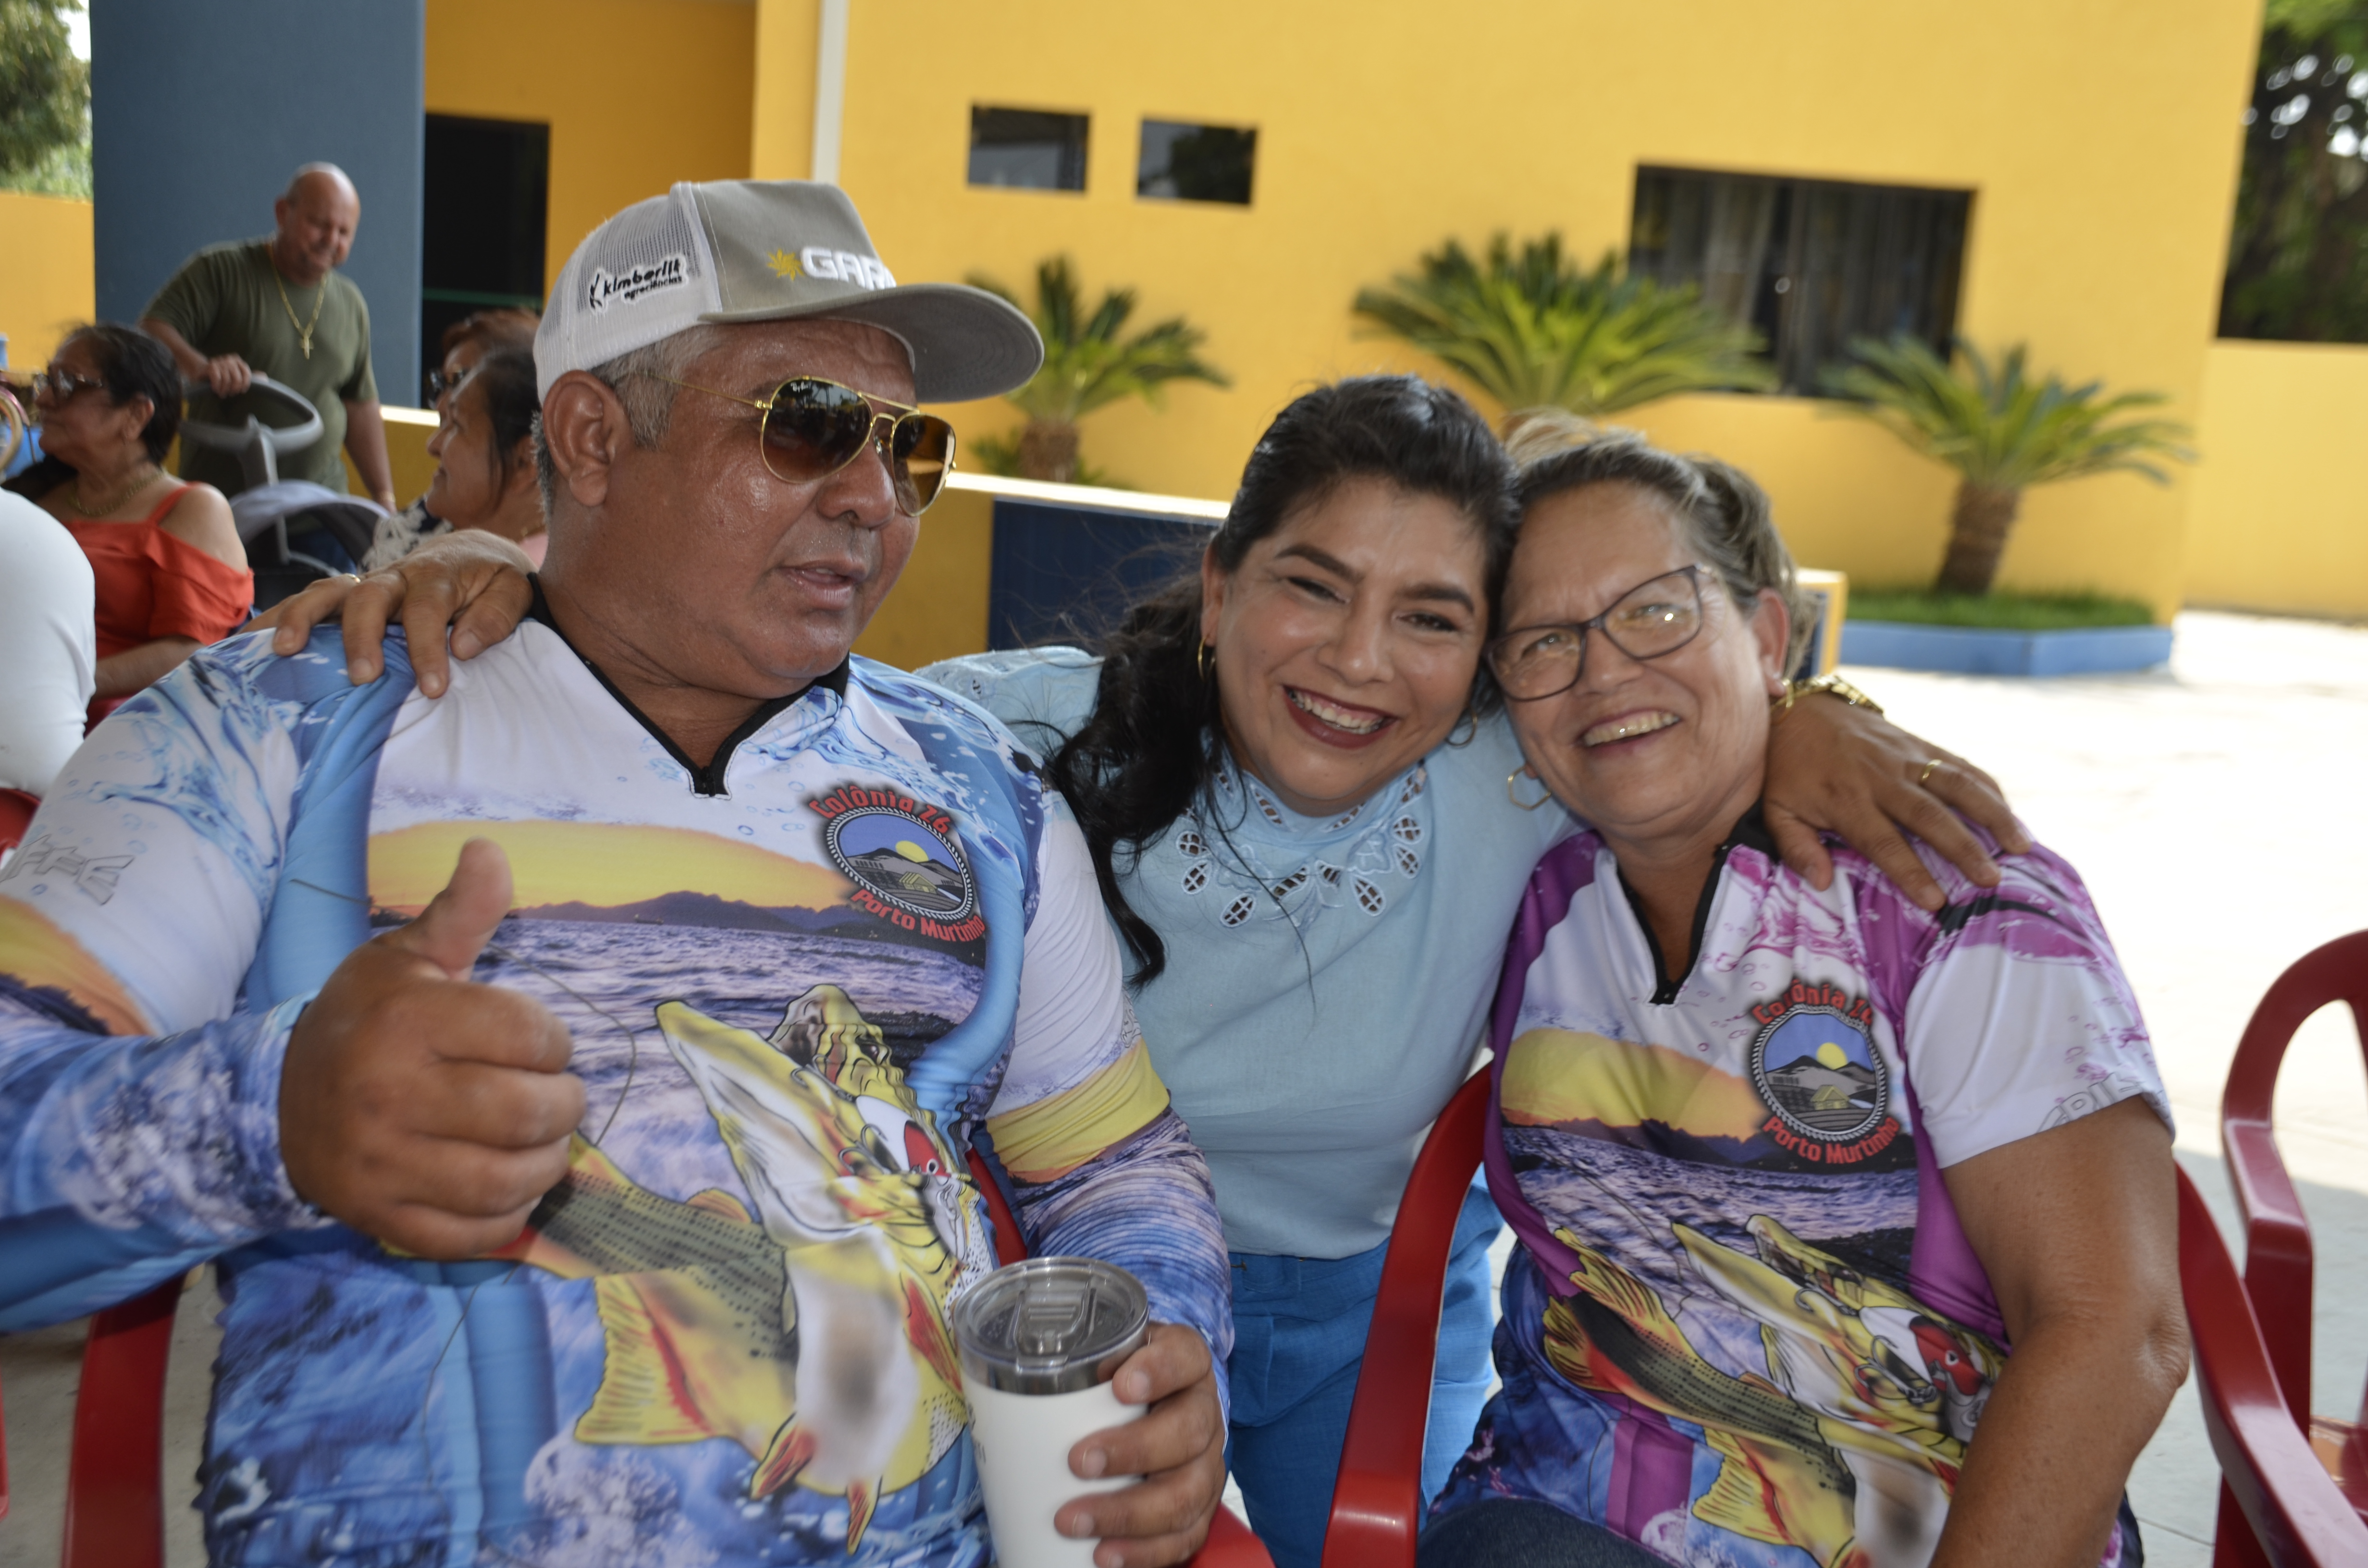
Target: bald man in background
(277,305)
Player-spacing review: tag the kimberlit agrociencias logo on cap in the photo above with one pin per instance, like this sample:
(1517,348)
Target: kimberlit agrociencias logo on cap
(608,287)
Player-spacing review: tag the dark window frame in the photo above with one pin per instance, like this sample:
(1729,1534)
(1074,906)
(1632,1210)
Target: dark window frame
(1811,263)
(1226,153)
(484,221)
(993,125)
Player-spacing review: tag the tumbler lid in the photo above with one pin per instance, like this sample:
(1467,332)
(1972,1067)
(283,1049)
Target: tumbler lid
(1051,1325)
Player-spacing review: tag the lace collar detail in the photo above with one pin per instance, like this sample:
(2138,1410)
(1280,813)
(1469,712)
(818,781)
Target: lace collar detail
(1259,860)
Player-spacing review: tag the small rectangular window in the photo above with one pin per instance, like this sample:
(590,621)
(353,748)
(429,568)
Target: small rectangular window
(1026,149)
(1196,162)
(1811,263)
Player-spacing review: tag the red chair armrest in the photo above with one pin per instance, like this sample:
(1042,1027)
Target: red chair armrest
(2277,1236)
(16,809)
(115,1501)
(1231,1544)
(1377,1503)
(2278,1269)
(2267,1463)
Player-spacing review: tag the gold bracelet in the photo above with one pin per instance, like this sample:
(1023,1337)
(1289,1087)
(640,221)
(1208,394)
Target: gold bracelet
(1833,686)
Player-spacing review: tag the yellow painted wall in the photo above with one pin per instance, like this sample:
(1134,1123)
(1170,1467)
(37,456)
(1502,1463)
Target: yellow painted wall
(780,135)
(407,430)
(2099,135)
(45,274)
(638,93)
(2280,516)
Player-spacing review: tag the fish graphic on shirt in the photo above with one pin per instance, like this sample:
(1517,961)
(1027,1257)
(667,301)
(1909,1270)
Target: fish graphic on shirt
(1864,1413)
(808,1321)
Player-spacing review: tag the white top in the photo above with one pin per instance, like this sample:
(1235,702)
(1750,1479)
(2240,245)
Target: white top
(49,645)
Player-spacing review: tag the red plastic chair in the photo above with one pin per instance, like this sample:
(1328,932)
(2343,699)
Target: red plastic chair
(2294,1490)
(16,809)
(1231,1544)
(1377,1502)
(114,1494)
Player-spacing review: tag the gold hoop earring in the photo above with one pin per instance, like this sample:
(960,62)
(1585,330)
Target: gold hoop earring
(1512,779)
(1200,660)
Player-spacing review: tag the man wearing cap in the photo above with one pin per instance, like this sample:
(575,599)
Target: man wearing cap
(611,1202)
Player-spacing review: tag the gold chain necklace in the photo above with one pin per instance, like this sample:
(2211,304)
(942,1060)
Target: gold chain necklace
(303,329)
(145,475)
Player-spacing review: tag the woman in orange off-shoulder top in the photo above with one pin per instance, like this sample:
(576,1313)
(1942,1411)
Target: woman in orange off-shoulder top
(171,573)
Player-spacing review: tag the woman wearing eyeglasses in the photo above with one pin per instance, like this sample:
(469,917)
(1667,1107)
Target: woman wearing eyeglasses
(1793,1168)
(171,574)
(1295,788)
(467,344)
(484,464)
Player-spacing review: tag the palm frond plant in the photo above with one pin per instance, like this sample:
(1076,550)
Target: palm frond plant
(1088,364)
(1533,329)
(2003,432)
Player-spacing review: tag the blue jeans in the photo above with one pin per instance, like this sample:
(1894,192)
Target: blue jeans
(1511,1532)
(1299,1338)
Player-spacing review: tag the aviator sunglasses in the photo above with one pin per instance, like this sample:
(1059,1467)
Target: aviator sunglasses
(814,427)
(1652,619)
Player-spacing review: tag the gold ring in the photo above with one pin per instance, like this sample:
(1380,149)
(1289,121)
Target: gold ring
(1926,776)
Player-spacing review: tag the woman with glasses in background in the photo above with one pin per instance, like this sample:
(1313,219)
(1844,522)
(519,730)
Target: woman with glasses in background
(170,572)
(1793,1168)
(466,343)
(1293,784)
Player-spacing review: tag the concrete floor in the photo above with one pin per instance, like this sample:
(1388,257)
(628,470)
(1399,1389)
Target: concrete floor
(2212,807)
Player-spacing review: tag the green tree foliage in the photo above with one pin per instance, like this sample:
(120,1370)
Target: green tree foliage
(2002,431)
(2298,251)
(1090,364)
(1535,330)
(44,100)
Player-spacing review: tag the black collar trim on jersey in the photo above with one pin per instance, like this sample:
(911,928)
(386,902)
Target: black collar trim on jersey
(1751,831)
(708,780)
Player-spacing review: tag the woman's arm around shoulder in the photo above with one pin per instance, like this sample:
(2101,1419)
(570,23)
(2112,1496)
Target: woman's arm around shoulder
(1042,695)
(476,583)
(202,518)
(1836,765)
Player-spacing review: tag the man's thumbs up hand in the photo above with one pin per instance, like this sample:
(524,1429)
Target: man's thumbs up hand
(417,1106)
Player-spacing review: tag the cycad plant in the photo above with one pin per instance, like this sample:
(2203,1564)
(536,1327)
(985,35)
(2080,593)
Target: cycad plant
(1536,330)
(1088,365)
(2003,432)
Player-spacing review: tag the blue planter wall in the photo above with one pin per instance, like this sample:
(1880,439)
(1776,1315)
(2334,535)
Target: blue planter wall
(1970,651)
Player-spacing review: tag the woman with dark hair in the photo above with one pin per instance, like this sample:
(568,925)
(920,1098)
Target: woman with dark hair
(484,458)
(1294,784)
(467,344)
(171,573)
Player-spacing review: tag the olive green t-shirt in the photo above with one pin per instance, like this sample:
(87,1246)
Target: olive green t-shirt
(227,300)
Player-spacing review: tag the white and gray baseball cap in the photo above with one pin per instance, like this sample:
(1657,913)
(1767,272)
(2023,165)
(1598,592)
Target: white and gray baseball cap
(749,250)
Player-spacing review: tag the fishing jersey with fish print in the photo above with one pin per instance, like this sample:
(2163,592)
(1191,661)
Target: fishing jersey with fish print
(804,984)
(1745,1327)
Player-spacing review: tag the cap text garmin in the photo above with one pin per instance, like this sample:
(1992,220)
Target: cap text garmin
(846,267)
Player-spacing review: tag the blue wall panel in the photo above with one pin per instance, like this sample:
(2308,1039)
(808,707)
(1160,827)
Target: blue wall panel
(1065,573)
(200,109)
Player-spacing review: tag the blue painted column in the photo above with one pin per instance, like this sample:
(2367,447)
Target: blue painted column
(200,109)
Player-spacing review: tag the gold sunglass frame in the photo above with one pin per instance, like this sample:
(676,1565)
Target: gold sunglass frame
(872,439)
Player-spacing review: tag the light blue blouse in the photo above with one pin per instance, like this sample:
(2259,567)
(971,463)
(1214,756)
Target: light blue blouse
(1328,980)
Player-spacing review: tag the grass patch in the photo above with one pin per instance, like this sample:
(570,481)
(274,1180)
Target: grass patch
(1996,611)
